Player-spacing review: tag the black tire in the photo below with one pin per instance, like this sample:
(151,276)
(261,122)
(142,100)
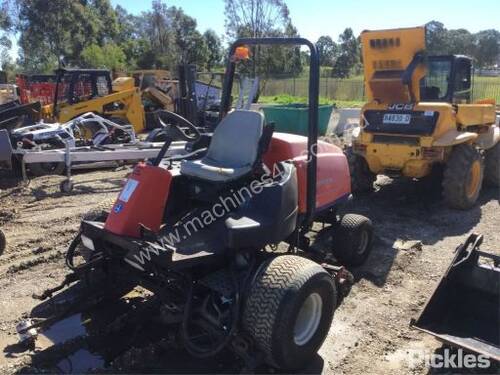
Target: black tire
(280,289)
(3,242)
(362,178)
(352,239)
(44,169)
(156,135)
(460,188)
(492,166)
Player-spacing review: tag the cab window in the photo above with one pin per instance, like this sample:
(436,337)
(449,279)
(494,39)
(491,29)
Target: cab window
(435,84)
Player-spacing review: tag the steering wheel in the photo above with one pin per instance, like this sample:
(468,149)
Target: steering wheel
(175,126)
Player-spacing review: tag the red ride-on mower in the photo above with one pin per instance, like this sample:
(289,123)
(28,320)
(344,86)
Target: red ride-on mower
(201,231)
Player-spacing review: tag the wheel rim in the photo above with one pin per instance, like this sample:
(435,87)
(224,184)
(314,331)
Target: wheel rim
(474,179)
(363,242)
(308,319)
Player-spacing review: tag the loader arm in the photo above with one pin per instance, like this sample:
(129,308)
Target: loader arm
(126,104)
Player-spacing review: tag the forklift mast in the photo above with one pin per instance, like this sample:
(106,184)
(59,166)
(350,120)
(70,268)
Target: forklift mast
(187,102)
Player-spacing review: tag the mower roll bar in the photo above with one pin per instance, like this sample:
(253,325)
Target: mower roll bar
(312,136)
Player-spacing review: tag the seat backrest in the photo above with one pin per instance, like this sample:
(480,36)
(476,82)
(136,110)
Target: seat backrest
(235,142)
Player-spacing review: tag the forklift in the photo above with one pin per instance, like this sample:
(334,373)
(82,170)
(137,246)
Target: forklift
(420,121)
(225,275)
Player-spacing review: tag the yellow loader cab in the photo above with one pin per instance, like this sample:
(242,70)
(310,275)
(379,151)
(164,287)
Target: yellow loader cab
(419,121)
(91,90)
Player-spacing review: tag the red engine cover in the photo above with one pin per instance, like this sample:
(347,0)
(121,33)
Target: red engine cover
(333,178)
(141,201)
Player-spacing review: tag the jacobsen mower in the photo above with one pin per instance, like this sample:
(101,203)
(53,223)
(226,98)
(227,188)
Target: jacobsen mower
(201,232)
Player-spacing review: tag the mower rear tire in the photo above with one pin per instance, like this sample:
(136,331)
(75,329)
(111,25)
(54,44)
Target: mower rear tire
(463,177)
(3,242)
(492,166)
(289,310)
(362,178)
(352,239)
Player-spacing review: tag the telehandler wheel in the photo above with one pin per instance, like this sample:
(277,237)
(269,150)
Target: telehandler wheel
(362,178)
(352,239)
(492,166)
(463,177)
(3,242)
(289,310)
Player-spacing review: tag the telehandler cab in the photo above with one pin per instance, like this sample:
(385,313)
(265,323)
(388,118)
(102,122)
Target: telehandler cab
(419,121)
(201,231)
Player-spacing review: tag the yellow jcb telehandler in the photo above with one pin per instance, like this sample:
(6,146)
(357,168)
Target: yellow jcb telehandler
(420,122)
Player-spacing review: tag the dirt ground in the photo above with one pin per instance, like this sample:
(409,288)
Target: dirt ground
(370,332)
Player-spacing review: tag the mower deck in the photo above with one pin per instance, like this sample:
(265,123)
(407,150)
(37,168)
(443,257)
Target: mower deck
(162,250)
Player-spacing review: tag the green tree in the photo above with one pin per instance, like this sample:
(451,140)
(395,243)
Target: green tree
(109,56)
(190,44)
(49,30)
(263,18)
(214,47)
(487,47)
(435,37)
(327,49)
(349,55)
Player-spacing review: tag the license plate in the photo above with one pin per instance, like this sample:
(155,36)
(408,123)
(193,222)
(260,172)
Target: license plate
(396,118)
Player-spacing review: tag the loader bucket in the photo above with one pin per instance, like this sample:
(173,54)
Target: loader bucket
(464,309)
(5,149)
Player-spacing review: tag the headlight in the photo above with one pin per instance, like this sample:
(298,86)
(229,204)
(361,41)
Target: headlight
(88,243)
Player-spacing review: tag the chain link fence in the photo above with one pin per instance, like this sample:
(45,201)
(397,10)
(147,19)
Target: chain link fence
(353,89)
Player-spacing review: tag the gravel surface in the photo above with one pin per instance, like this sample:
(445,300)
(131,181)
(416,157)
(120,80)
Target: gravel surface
(370,332)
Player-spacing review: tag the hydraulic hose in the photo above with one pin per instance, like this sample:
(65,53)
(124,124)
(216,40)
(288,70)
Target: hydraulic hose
(70,254)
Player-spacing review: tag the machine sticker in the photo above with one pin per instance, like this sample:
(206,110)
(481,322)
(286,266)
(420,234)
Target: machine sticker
(429,113)
(128,190)
(118,208)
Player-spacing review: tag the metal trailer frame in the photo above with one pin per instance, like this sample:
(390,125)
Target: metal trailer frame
(91,156)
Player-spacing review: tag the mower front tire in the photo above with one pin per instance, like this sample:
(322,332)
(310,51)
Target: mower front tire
(492,166)
(289,310)
(352,239)
(362,178)
(463,177)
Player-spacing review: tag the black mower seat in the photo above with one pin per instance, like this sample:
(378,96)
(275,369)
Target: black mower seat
(233,150)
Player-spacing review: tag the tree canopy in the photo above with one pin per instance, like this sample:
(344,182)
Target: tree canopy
(94,33)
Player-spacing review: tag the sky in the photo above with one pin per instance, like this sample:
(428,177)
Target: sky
(314,18)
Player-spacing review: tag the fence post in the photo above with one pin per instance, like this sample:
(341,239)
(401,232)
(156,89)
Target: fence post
(293,86)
